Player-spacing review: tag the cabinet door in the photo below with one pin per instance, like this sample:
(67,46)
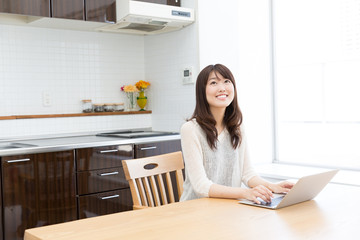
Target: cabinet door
(69,9)
(1,213)
(167,2)
(101,11)
(157,148)
(26,7)
(38,190)
(105,203)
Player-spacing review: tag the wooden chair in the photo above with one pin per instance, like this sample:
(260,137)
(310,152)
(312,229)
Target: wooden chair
(146,177)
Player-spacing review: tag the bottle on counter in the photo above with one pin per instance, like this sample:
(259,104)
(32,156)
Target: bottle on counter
(119,107)
(87,106)
(98,107)
(108,107)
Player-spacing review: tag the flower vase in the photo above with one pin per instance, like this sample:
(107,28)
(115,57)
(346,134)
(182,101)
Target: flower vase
(142,100)
(131,102)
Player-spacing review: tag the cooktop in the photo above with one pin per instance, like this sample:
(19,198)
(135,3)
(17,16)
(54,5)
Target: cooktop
(136,134)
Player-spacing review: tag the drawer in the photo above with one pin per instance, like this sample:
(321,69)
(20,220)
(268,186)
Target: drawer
(102,157)
(101,180)
(157,148)
(104,203)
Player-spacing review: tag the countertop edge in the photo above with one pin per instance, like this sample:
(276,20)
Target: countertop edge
(67,143)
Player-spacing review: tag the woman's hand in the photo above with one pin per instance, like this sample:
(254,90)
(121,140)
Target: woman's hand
(281,187)
(260,191)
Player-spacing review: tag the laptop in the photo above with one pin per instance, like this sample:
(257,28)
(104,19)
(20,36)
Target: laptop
(306,188)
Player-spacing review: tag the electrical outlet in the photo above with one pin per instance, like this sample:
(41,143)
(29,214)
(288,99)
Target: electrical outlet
(46,99)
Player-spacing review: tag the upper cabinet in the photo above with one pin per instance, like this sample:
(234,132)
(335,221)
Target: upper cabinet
(69,9)
(101,11)
(26,7)
(88,15)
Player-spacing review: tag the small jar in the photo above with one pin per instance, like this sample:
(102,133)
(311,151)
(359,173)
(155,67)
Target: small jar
(87,106)
(98,107)
(108,107)
(119,107)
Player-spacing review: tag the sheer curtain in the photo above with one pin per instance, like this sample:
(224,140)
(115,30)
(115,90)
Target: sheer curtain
(316,58)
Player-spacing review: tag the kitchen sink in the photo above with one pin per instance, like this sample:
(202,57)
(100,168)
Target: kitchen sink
(13,145)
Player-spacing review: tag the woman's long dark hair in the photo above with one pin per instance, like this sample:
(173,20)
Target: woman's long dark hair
(202,114)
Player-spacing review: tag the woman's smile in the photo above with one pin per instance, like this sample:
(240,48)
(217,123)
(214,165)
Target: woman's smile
(222,96)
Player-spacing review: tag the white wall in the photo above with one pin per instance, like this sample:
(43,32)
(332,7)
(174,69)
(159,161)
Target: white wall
(166,55)
(236,34)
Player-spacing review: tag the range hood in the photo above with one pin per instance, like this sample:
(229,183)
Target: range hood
(148,18)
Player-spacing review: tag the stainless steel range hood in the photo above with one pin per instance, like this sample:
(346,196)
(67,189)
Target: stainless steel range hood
(148,18)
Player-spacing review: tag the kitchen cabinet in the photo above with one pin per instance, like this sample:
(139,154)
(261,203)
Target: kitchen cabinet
(167,2)
(38,190)
(101,183)
(69,9)
(101,11)
(1,218)
(26,7)
(156,148)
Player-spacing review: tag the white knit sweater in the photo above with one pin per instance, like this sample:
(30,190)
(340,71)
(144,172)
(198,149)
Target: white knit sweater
(204,166)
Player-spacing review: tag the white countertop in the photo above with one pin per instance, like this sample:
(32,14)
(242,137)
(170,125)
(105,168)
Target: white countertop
(61,143)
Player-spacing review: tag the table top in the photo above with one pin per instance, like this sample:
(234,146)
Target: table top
(333,214)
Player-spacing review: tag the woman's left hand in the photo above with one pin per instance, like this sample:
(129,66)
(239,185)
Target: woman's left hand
(281,187)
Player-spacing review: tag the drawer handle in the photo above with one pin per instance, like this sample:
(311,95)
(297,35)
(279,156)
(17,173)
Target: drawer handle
(109,197)
(108,151)
(19,160)
(147,148)
(107,174)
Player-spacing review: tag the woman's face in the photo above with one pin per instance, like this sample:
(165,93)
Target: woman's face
(219,91)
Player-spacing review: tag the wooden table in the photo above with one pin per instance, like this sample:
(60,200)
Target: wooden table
(333,214)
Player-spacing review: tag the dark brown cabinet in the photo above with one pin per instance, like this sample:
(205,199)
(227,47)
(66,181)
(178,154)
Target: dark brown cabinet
(38,190)
(157,148)
(102,187)
(69,9)
(1,215)
(167,2)
(101,11)
(26,7)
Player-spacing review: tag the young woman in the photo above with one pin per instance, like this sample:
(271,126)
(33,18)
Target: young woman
(214,144)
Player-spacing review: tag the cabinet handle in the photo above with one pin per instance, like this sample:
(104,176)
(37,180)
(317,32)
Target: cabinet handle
(108,151)
(147,148)
(108,197)
(19,160)
(107,174)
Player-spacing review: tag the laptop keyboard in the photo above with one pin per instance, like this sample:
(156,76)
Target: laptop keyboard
(274,201)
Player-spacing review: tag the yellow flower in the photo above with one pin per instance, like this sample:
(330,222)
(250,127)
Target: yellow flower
(141,85)
(130,88)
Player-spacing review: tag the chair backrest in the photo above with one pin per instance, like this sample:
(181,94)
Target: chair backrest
(151,179)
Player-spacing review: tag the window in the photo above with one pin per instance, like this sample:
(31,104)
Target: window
(316,61)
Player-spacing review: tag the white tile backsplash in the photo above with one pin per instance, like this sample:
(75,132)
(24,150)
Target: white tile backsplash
(69,66)
(74,65)
(46,126)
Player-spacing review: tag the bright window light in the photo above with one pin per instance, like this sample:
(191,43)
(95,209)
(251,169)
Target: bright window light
(317,82)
